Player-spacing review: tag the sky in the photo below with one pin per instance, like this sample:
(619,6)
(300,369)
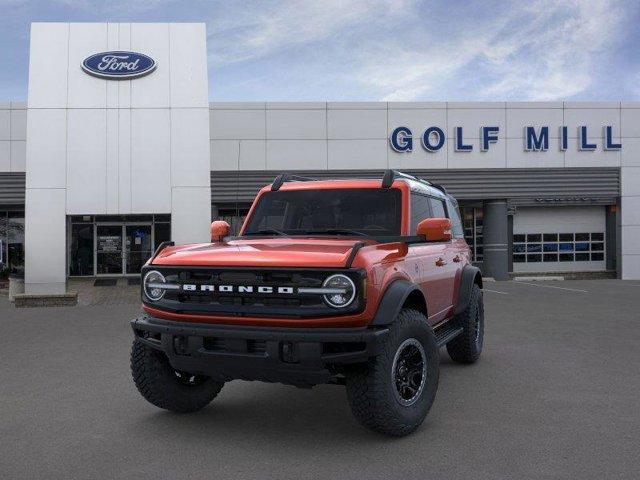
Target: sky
(377,50)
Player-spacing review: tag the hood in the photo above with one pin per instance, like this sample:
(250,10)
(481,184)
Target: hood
(271,252)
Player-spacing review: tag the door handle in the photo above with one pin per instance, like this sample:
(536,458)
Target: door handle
(440,262)
(457,259)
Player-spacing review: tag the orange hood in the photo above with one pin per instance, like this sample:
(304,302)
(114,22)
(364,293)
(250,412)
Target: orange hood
(269,252)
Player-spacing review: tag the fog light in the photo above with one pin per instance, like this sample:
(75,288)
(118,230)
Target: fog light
(343,290)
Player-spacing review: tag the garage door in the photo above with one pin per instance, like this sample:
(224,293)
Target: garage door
(559,239)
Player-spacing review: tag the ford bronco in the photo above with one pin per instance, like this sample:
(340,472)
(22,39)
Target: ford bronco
(349,282)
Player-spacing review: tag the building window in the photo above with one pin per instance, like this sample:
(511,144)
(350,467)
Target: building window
(473,219)
(11,243)
(81,250)
(558,247)
(114,244)
(233,216)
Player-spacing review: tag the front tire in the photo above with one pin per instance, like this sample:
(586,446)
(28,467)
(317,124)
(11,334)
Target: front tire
(393,392)
(163,386)
(467,347)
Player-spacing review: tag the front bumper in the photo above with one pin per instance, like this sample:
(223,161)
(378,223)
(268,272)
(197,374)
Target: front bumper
(296,356)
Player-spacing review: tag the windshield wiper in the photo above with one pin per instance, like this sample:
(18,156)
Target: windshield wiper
(336,231)
(268,231)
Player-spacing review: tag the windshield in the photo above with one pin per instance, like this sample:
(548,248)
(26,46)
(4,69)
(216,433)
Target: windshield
(327,212)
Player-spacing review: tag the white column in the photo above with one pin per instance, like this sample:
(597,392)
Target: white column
(630,194)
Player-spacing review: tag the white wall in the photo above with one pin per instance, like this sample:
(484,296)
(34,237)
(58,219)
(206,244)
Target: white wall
(114,147)
(13,135)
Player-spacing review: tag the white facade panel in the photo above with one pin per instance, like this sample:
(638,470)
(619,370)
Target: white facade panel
(188,55)
(418,120)
(471,119)
(630,122)
(296,124)
(225,154)
(124,161)
(152,91)
(48,62)
(291,154)
(357,154)
(5,156)
(18,156)
(5,124)
(598,158)
(191,214)
(45,240)
(356,124)
(630,153)
(112,166)
(494,157)
(630,182)
(85,91)
(418,158)
(594,119)
(150,160)
(47,148)
(238,124)
(18,124)
(519,118)
(631,239)
(630,211)
(630,268)
(190,165)
(124,86)
(253,155)
(113,43)
(517,157)
(86,161)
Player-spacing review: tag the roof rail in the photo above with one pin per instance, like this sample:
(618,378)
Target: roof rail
(286,177)
(390,175)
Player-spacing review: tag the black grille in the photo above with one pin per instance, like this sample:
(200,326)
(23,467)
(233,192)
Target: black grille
(243,303)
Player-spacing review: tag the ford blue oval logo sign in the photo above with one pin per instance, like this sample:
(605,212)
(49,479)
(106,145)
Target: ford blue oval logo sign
(118,65)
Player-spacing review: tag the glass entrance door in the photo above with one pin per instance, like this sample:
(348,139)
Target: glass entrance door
(138,247)
(109,259)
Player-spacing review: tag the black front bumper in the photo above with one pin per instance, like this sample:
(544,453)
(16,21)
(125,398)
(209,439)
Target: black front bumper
(296,356)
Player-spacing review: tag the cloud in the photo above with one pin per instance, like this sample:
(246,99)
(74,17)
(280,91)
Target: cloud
(261,29)
(546,51)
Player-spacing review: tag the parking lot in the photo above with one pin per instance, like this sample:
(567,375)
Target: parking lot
(555,395)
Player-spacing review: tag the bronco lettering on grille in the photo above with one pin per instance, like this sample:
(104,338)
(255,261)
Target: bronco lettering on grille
(190,287)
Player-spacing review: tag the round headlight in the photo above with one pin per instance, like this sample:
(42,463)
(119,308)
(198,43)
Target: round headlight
(151,282)
(344,290)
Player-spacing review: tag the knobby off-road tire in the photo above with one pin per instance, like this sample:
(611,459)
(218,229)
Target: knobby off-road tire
(372,388)
(160,384)
(467,346)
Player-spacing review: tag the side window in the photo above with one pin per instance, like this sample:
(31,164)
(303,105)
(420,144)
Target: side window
(419,210)
(454,215)
(437,207)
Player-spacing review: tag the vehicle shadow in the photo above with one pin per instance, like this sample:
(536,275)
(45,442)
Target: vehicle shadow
(255,411)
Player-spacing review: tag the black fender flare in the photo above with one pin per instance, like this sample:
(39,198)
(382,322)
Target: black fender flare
(392,301)
(470,275)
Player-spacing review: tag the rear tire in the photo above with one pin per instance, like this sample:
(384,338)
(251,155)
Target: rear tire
(392,393)
(467,347)
(163,386)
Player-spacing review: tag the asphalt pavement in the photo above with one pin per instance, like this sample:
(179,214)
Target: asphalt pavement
(555,395)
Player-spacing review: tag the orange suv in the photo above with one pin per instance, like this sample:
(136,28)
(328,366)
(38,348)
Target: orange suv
(349,282)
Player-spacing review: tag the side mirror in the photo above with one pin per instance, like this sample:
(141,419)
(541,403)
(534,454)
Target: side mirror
(435,229)
(219,230)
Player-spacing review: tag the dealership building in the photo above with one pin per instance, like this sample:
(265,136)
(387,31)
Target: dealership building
(117,148)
